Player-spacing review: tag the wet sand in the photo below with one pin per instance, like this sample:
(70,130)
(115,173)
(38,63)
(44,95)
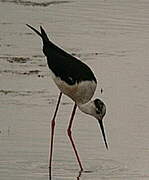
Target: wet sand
(112,37)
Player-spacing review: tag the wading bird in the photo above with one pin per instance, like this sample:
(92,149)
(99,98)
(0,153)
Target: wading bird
(76,80)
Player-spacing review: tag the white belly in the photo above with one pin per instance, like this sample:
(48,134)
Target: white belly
(80,93)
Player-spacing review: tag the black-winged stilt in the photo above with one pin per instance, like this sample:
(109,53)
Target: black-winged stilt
(76,80)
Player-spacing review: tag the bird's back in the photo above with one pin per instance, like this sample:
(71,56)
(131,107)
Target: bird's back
(67,67)
(69,73)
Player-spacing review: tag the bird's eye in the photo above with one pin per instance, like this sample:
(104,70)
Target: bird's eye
(70,80)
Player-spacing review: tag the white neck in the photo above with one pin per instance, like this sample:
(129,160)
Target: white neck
(87,107)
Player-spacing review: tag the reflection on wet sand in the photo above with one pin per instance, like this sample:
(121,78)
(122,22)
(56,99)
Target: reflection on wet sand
(78,177)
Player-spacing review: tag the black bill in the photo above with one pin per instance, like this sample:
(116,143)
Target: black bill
(103,132)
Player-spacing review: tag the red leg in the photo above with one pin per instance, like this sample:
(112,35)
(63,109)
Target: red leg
(52,131)
(71,139)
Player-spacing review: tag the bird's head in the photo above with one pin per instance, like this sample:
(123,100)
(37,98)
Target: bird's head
(97,109)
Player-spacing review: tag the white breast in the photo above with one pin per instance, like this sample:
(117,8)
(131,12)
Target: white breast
(80,92)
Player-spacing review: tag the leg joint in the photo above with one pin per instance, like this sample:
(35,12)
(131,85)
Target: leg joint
(69,132)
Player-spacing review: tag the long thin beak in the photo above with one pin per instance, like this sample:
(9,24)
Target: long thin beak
(103,133)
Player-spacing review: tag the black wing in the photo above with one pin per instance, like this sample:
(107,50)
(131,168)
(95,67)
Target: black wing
(62,64)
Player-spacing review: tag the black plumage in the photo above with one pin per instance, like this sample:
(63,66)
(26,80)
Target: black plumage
(65,66)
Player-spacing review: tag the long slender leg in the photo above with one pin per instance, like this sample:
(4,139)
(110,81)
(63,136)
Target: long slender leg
(70,136)
(52,132)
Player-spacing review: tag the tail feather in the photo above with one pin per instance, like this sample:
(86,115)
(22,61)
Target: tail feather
(43,34)
(34,30)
